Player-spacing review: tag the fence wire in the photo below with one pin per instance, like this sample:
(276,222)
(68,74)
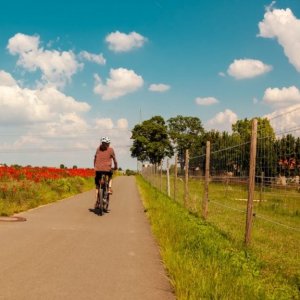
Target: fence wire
(277,175)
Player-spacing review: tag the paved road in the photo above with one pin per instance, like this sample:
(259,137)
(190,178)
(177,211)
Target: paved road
(64,251)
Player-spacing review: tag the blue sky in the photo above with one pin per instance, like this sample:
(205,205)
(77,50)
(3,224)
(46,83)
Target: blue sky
(71,72)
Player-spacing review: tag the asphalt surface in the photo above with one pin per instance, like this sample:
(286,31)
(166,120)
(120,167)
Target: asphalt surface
(65,251)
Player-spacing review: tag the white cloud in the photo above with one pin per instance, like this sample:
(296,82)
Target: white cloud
(282,97)
(206,101)
(122,124)
(222,121)
(57,67)
(222,74)
(6,79)
(21,106)
(66,124)
(107,123)
(18,105)
(120,83)
(282,25)
(247,68)
(71,124)
(104,123)
(22,43)
(159,87)
(59,102)
(96,58)
(285,119)
(122,42)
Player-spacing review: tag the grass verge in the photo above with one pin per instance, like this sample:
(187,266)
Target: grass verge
(202,262)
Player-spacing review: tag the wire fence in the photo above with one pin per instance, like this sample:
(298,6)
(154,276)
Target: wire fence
(216,185)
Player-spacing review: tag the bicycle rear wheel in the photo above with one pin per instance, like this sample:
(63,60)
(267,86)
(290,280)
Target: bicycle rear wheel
(100,204)
(107,201)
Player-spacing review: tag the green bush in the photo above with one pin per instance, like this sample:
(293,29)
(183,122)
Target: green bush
(130,172)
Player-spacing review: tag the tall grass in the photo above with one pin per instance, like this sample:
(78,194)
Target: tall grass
(275,232)
(205,262)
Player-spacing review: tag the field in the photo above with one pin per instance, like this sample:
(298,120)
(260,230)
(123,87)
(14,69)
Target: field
(22,188)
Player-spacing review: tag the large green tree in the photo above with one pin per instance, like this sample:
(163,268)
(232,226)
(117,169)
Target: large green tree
(243,129)
(185,133)
(151,141)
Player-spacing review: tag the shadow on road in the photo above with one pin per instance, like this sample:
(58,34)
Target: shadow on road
(97,211)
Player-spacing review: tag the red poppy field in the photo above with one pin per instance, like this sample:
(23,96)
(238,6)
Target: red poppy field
(38,174)
(22,188)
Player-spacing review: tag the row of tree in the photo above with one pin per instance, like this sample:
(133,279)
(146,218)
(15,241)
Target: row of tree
(156,139)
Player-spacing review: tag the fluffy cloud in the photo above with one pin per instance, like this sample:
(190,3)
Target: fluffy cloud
(22,43)
(247,68)
(159,87)
(222,121)
(59,102)
(120,83)
(104,123)
(57,67)
(285,120)
(66,124)
(107,123)
(122,42)
(206,101)
(6,79)
(71,124)
(22,105)
(96,58)
(282,97)
(282,25)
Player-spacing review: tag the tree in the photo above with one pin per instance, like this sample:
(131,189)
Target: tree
(150,141)
(266,155)
(185,133)
(222,159)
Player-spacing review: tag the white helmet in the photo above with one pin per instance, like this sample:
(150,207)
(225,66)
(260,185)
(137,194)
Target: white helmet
(105,139)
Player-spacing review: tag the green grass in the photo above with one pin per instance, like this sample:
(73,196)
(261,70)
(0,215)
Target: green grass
(207,260)
(18,196)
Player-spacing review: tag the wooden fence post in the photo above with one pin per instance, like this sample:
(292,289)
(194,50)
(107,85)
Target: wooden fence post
(186,181)
(251,185)
(175,175)
(206,183)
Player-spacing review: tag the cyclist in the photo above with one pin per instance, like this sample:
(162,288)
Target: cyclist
(103,163)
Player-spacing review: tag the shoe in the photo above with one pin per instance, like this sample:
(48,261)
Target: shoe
(110,191)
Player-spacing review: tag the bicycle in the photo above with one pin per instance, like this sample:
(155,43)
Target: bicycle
(102,195)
